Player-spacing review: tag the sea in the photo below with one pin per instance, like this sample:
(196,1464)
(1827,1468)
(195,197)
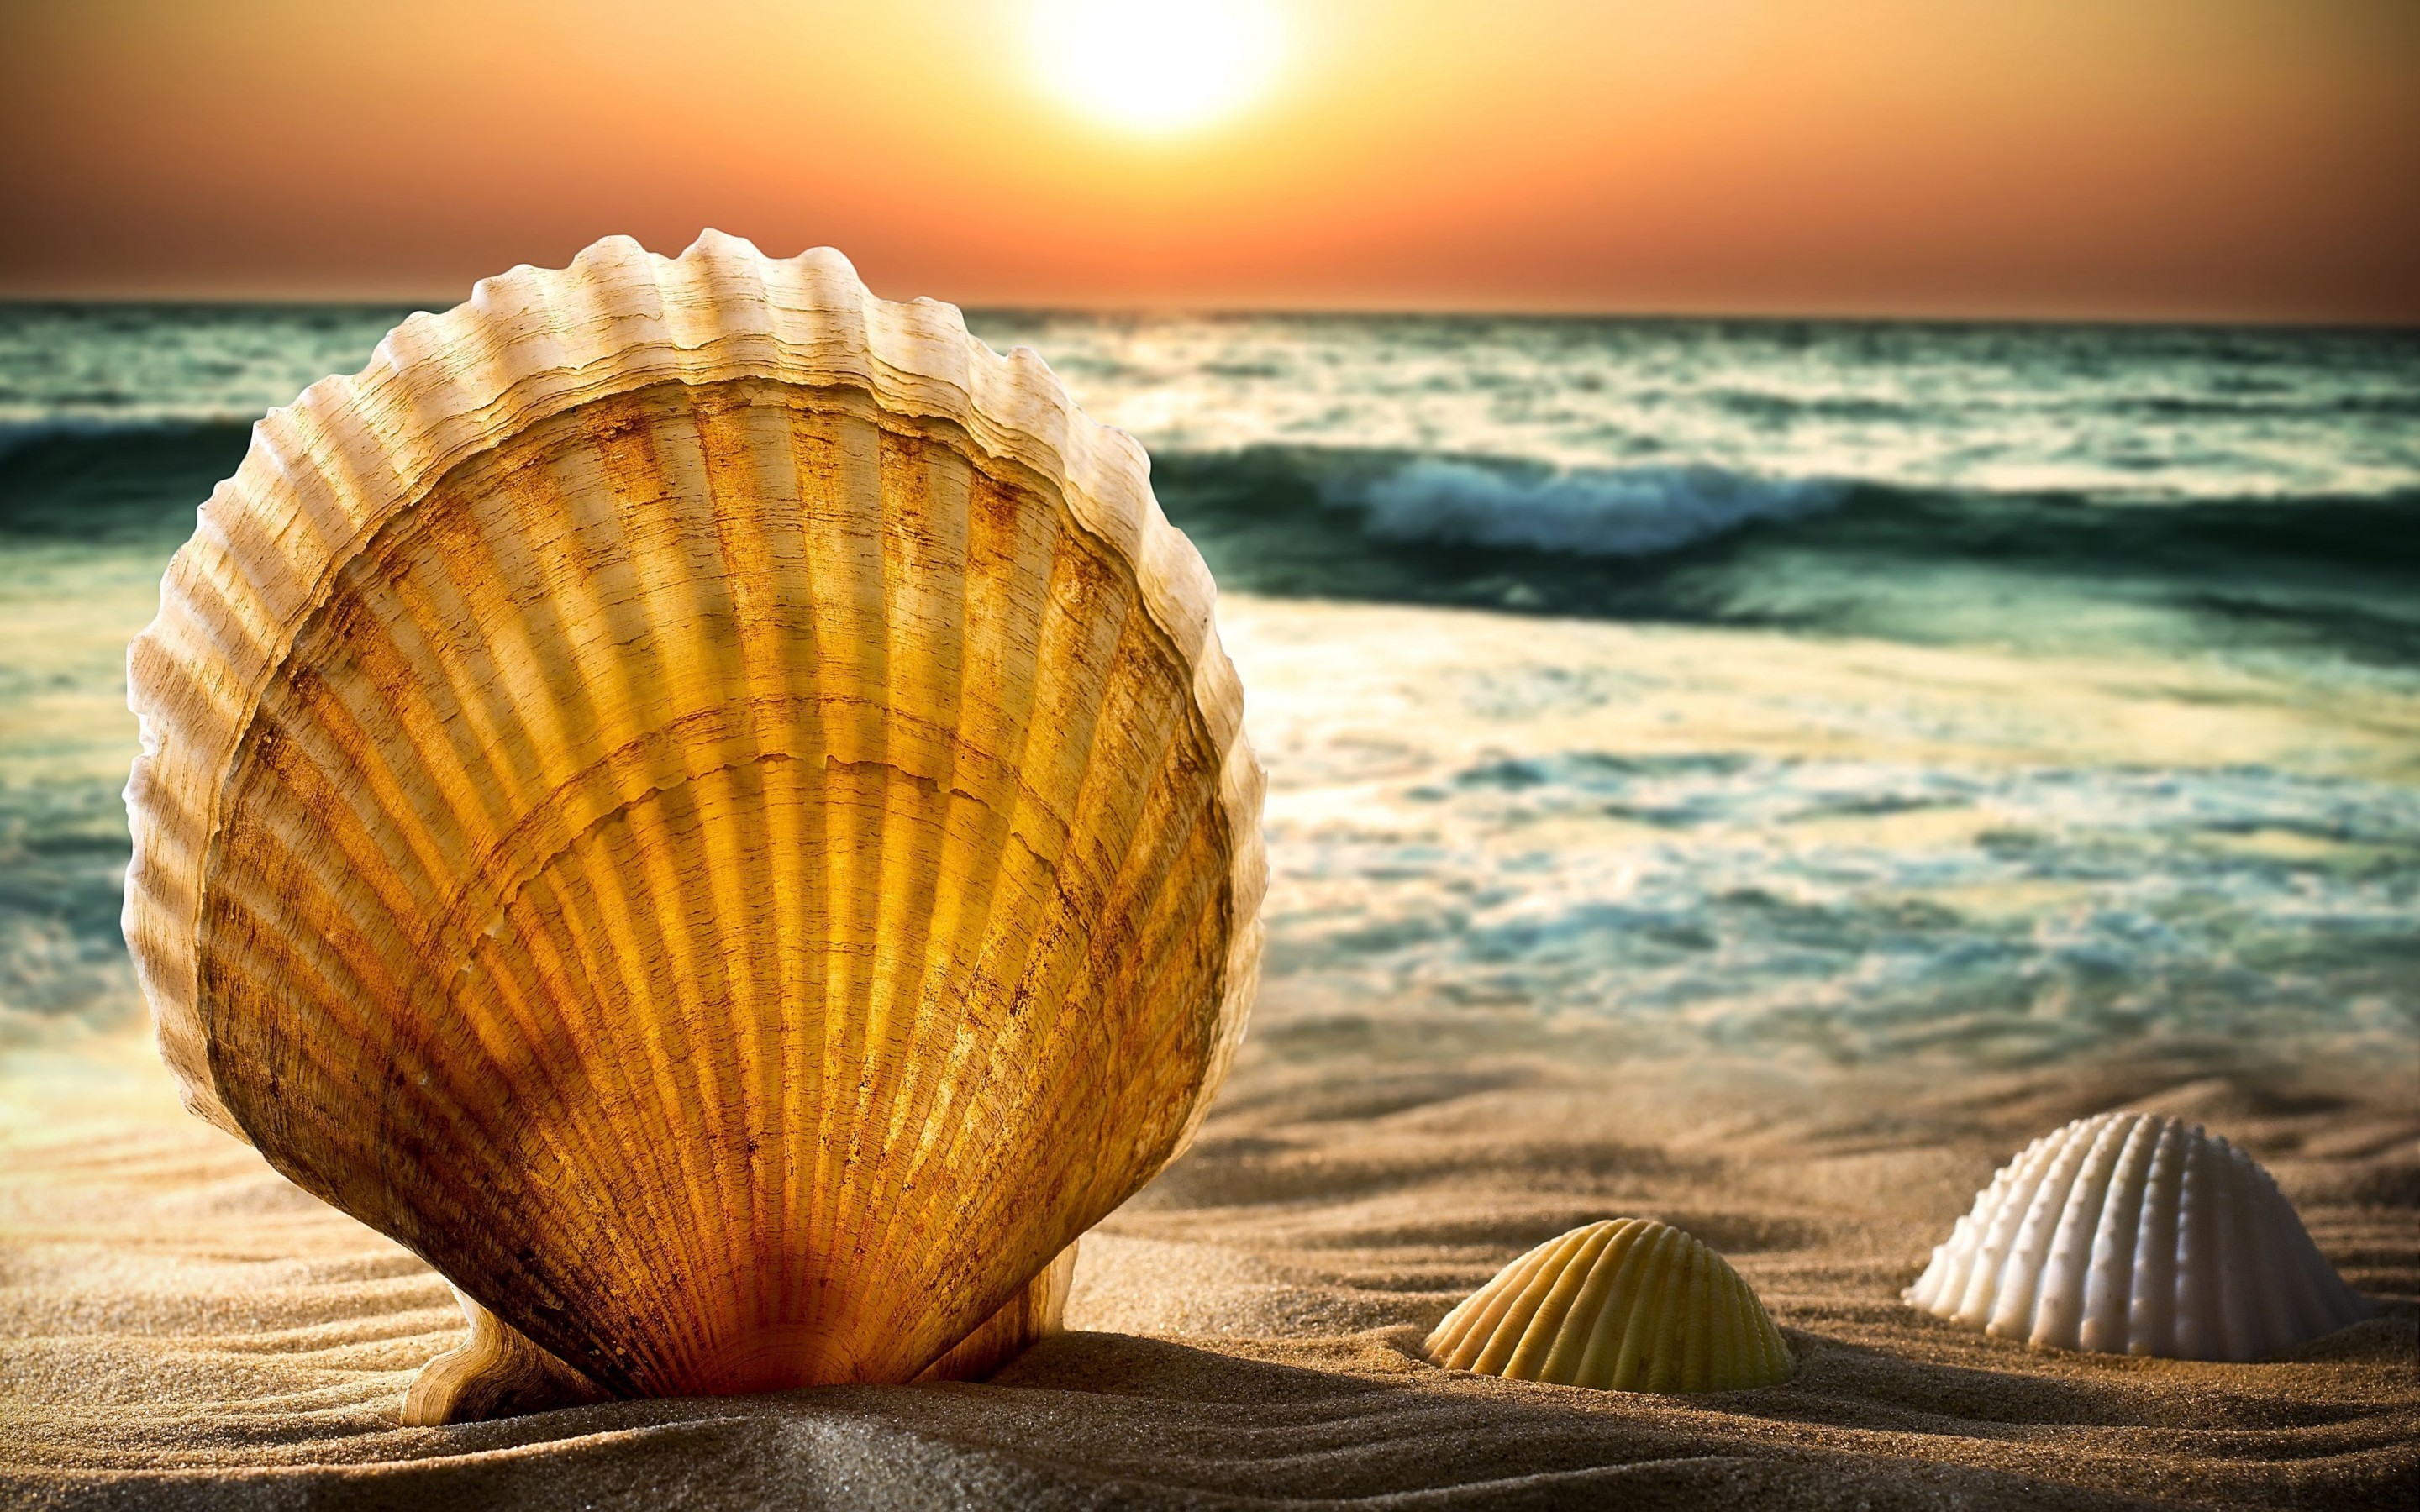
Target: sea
(1835,690)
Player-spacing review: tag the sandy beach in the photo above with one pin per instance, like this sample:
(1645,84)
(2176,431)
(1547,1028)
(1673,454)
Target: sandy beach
(185,1328)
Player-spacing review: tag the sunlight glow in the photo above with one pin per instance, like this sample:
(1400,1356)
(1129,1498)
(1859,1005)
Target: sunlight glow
(1157,66)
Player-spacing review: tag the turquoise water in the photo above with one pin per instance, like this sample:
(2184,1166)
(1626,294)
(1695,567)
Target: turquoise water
(1865,687)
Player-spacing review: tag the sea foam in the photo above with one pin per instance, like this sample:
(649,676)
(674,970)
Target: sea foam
(1593,512)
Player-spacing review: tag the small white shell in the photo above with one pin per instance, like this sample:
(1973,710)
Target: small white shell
(2126,1233)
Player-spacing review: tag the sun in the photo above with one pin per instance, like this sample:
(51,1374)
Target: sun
(1157,67)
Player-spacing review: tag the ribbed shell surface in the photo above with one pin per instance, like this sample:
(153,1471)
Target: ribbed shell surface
(1626,1304)
(2126,1233)
(707,805)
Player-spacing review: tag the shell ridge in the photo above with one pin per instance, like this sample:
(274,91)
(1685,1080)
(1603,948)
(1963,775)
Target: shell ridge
(820,445)
(1663,1346)
(1600,1360)
(1570,1349)
(566,981)
(611,931)
(1178,957)
(1637,1320)
(1998,1215)
(1185,815)
(2150,1289)
(2197,1252)
(2291,1311)
(2283,1310)
(2017,1276)
(1646,1342)
(693,968)
(1664,1355)
(518,996)
(1164,967)
(368,793)
(1164,950)
(1499,1295)
(983,849)
(1689,1368)
(798,837)
(233,633)
(1743,1336)
(1717,1313)
(1058,1015)
(747,540)
(917,830)
(478,563)
(2110,1280)
(897,813)
(2241,1334)
(929,800)
(1045,950)
(163,828)
(680,974)
(388,674)
(2075,1188)
(616,950)
(850,614)
(1638,1313)
(2058,1309)
(1533,1354)
(847,1068)
(1521,1306)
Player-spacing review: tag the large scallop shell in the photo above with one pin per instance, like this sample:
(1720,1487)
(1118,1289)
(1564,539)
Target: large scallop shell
(707,805)
(1626,1304)
(2126,1233)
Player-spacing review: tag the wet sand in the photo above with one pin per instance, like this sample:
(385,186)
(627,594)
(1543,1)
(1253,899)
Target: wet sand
(183,1328)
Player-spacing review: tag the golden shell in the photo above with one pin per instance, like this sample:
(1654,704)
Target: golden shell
(706,804)
(2129,1233)
(1625,1305)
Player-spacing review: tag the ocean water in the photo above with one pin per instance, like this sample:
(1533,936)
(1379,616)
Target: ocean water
(2006,693)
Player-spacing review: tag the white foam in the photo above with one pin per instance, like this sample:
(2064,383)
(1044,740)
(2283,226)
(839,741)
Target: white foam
(1601,513)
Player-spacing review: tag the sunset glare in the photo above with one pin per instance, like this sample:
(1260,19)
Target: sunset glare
(1157,65)
(2131,158)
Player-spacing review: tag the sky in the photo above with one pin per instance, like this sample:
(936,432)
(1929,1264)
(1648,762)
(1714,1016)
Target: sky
(2253,160)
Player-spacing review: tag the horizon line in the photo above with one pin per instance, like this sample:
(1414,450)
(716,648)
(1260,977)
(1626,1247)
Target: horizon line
(1215,310)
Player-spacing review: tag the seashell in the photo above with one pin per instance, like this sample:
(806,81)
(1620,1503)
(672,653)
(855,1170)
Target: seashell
(708,806)
(1626,1304)
(2126,1233)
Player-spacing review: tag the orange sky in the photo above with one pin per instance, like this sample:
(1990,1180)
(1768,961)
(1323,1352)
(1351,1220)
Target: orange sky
(2231,158)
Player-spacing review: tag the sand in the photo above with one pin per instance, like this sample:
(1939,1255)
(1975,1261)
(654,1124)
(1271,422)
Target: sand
(185,1328)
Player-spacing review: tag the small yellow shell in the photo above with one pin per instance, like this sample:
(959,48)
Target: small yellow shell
(1626,1304)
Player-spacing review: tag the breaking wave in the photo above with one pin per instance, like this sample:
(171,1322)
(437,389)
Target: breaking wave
(1595,513)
